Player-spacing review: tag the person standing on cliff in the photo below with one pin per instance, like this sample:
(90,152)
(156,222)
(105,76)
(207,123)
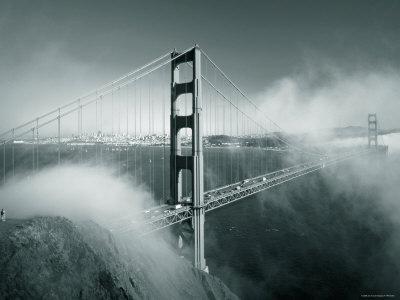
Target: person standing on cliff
(3,214)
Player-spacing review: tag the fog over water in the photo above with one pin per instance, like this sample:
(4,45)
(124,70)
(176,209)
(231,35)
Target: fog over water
(332,233)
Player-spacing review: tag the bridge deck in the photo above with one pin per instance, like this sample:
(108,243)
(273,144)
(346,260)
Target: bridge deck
(165,215)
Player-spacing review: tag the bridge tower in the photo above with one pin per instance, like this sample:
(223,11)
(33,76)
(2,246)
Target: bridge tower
(194,162)
(372,131)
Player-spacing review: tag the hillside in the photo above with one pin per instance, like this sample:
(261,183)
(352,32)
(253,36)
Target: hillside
(53,258)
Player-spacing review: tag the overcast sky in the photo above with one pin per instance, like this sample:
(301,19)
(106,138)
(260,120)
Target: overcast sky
(54,51)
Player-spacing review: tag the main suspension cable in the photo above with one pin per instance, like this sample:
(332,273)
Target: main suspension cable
(250,101)
(245,114)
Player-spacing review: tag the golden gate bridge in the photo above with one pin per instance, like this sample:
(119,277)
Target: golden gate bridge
(179,126)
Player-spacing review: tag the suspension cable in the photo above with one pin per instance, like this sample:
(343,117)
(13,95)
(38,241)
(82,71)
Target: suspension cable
(96,92)
(107,85)
(245,114)
(248,99)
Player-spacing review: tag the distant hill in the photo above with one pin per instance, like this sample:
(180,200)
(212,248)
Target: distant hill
(271,140)
(349,131)
(358,131)
(280,139)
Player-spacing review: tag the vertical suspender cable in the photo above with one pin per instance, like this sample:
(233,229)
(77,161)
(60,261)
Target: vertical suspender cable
(37,143)
(4,162)
(238,139)
(250,148)
(82,133)
(211,156)
(111,151)
(140,135)
(266,148)
(271,158)
(211,132)
(153,146)
(232,140)
(119,111)
(101,130)
(222,148)
(163,138)
(80,129)
(215,140)
(243,153)
(33,150)
(265,142)
(136,139)
(96,134)
(216,132)
(59,136)
(259,153)
(152,116)
(13,152)
(127,129)
(242,162)
(119,146)
(249,158)
(112,112)
(148,137)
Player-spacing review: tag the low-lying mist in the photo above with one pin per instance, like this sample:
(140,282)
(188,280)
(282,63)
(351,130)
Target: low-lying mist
(73,191)
(146,268)
(392,140)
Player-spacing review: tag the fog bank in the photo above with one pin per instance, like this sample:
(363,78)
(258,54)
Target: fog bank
(325,97)
(75,192)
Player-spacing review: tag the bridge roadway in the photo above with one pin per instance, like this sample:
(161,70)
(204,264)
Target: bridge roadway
(163,216)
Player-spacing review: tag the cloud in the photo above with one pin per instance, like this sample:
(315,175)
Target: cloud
(325,97)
